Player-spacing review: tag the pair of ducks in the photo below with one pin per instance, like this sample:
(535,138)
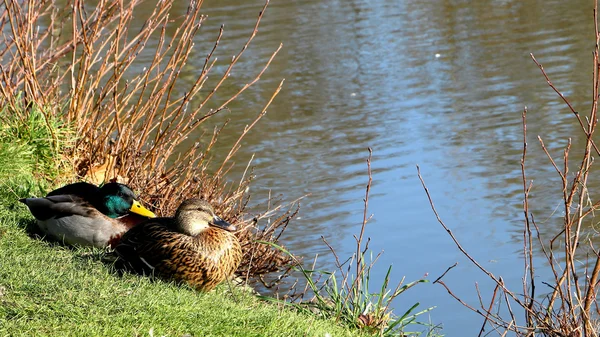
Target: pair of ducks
(195,246)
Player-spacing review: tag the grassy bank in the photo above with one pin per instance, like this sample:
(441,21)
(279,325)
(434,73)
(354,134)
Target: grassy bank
(47,289)
(51,290)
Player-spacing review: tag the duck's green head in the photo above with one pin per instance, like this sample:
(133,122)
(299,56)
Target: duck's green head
(118,200)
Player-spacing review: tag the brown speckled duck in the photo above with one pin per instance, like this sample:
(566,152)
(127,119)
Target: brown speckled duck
(195,247)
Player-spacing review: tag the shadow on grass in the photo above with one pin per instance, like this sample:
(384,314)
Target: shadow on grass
(29,225)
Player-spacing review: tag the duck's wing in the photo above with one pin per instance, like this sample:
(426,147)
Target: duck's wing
(145,248)
(81,189)
(58,206)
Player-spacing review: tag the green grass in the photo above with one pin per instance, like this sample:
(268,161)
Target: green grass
(30,154)
(353,303)
(50,290)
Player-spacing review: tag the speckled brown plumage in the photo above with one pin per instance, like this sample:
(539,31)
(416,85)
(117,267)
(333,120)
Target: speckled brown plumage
(161,247)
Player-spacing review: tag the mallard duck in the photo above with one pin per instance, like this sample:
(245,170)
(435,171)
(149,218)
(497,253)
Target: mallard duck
(85,214)
(195,247)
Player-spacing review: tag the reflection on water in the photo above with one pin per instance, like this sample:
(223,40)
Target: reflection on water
(441,84)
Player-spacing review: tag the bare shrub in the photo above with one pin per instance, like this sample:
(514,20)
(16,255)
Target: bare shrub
(571,307)
(77,61)
(346,294)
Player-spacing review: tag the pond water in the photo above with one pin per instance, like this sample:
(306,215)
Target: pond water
(441,84)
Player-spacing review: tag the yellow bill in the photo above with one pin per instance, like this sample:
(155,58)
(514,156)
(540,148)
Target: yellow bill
(137,208)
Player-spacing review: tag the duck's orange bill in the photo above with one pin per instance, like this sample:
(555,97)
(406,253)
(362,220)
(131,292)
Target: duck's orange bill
(137,208)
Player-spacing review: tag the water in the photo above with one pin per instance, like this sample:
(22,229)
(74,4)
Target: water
(441,84)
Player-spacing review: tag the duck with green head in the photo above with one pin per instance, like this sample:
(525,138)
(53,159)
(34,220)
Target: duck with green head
(85,214)
(196,247)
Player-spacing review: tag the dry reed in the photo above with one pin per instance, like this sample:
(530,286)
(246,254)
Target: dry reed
(79,62)
(571,307)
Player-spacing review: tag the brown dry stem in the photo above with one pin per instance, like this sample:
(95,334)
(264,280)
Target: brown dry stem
(570,309)
(138,123)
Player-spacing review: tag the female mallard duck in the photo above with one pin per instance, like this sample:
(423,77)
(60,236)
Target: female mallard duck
(195,247)
(86,214)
